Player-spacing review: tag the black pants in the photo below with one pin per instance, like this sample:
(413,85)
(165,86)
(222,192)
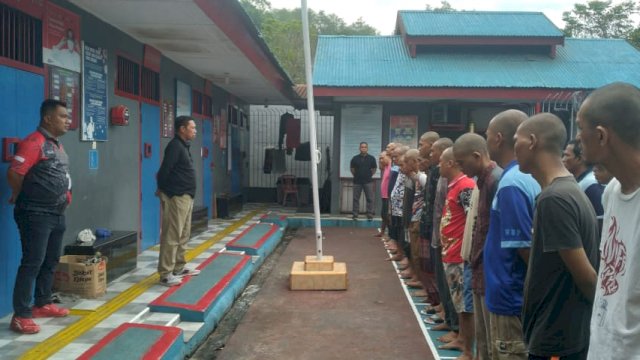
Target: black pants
(582,355)
(451,317)
(41,238)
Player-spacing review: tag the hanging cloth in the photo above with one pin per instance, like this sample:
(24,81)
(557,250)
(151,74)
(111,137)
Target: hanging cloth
(268,161)
(293,133)
(279,164)
(303,152)
(284,119)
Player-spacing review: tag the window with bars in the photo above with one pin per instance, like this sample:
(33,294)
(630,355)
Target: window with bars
(20,36)
(150,85)
(128,79)
(196,102)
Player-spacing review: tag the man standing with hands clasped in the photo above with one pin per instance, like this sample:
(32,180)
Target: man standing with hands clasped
(176,189)
(363,166)
(41,190)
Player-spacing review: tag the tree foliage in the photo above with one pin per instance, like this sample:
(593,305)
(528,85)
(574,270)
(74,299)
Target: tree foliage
(444,6)
(282,31)
(602,19)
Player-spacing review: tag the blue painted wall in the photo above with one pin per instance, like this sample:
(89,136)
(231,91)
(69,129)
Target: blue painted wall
(21,93)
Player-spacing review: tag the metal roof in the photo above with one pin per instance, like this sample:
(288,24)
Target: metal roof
(384,61)
(478,23)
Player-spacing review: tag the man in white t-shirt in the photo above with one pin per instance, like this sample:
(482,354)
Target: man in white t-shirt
(609,123)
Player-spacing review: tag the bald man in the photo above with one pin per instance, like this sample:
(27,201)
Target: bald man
(471,153)
(609,123)
(454,215)
(506,249)
(561,277)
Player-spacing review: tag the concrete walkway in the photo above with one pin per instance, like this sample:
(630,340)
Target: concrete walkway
(371,320)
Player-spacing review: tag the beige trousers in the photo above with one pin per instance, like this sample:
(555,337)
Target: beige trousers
(176,230)
(506,338)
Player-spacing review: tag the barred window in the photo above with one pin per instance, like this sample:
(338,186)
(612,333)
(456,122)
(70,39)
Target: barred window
(150,84)
(20,36)
(128,80)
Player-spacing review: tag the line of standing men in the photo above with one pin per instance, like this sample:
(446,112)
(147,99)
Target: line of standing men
(521,280)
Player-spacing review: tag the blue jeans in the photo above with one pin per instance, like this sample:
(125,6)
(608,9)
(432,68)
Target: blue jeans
(41,237)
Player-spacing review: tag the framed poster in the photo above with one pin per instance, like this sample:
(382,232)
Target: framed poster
(359,123)
(167,119)
(61,43)
(183,99)
(64,85)
(94,93)
(404,129)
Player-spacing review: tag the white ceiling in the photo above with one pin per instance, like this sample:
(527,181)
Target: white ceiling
(186,35)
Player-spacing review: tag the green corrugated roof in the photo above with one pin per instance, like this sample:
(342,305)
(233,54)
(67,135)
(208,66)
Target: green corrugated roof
(478,23)
(383,61)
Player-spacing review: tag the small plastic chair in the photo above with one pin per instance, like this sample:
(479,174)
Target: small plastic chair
(289,187)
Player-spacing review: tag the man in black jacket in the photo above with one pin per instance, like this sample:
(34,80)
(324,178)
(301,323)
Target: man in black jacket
(176,189)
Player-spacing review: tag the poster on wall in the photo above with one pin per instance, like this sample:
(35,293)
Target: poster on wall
(61,43)
(183,99)
(359,123)
(404,129)
(64,85)
(94,93)
(167,119)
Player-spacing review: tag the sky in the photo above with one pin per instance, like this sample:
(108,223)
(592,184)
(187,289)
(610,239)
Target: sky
(381,14)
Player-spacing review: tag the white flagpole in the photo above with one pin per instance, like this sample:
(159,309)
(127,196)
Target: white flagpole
(312,127)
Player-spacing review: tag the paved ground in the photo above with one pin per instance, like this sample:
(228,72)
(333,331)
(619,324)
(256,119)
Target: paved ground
(373,319)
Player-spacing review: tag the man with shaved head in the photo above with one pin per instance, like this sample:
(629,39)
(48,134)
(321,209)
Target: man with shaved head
(472,155)
(561,276)
(452,224)
(609,123)
(434,203)
(506,249)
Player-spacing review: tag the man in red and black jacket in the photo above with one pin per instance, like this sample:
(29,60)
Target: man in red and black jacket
(41,191)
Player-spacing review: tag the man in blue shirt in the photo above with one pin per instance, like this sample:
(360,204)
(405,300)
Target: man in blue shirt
(506,250)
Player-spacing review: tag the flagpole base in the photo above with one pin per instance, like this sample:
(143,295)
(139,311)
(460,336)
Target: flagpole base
(318,274)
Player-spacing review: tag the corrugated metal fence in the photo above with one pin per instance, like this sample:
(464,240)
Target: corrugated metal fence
(264,133)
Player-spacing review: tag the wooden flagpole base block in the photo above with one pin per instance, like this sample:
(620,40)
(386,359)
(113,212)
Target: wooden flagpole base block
(314,274)
(311,263)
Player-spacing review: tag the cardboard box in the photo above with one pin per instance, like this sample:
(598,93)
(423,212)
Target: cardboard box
(75,277)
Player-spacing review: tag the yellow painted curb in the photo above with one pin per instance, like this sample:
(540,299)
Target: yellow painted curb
(64,337)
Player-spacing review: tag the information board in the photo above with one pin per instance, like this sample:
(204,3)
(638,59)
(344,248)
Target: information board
(359,123)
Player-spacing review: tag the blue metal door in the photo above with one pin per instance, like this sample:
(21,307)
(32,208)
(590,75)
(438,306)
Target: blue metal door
(150,164)
(207,162)
(21,94)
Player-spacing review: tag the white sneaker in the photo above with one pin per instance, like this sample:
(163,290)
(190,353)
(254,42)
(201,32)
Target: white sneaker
(186,272)
(171,280)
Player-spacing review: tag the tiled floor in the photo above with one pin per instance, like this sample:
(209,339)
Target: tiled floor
(13,345)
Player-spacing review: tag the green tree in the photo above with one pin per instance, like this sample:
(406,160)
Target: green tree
(600,19)
(444,6)
(282,31)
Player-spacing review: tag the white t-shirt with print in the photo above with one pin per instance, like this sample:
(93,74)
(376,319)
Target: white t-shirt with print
(615,323)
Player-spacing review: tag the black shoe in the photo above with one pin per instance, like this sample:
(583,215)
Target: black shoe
(354,217)
(369,218)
